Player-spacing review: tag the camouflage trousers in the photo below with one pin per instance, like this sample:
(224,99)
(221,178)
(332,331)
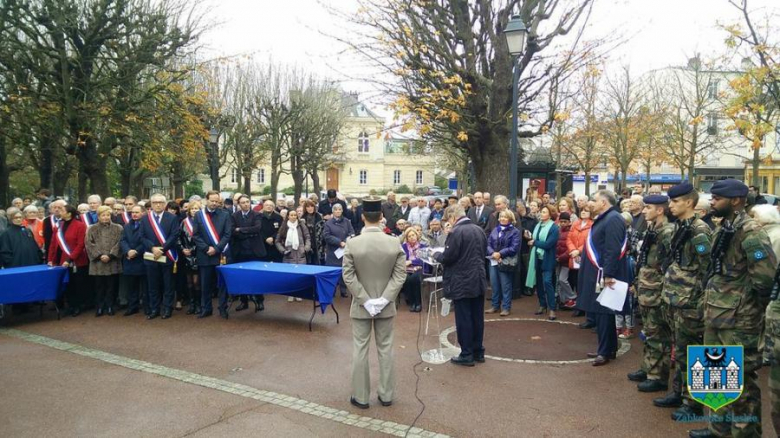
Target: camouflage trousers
(773,331)
(747,407)
(769,340)
(688,329)
(656,356)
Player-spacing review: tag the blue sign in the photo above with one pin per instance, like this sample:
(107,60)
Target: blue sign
(453,184)
(715,374)
(581,178)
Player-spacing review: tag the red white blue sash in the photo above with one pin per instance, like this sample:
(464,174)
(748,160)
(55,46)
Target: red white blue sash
(55,224)
(188,226)
(63,244)
(592,253)
(161,237)
(125,217)
(211,230)
(86,220)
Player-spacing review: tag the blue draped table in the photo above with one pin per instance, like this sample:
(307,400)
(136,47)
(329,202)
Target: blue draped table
(30,284)
(311,282)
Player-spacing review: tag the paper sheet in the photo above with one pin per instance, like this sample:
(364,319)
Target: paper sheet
(493,262)
(576,263)
(614,297)
(339,253)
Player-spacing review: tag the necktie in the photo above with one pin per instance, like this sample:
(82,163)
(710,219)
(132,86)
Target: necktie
(479,212)
(157,218)
(135,225)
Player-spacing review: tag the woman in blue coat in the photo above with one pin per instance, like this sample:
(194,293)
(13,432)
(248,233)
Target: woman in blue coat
(541,262)
(335,233)
(504,242)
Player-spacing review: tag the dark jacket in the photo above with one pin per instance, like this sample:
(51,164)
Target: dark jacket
(527,223)
(223,225)
(482,220)
(48,233)
(608,235)
(388,212)
(507,245)
(401,214)
(548,245)
(269,227)
(356,217)
(325,208)
(464,261)
(247,242)
(132,239)
(315,225)
(187,241)
(335,232)
(169,224)
(562,248)
(18,248)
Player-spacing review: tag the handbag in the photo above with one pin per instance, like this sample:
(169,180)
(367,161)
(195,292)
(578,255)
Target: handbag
(508,264)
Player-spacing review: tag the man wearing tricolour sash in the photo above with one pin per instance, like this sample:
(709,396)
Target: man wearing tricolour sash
(160,234)
(211,232)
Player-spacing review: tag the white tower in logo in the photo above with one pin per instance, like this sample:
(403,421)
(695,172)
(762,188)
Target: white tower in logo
(697,376)
(732,376)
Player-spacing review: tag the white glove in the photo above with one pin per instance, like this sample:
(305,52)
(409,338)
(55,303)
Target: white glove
(371,308)
(381,302)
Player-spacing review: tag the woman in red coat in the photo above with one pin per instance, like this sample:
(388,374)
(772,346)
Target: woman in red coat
(68,250)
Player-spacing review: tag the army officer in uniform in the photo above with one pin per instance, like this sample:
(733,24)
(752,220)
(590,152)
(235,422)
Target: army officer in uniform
(374,272)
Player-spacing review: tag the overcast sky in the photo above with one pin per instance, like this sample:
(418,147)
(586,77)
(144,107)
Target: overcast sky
(658,32)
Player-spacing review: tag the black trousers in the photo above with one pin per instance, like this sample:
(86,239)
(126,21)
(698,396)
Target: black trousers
(76,290)
(470,325)
(160,274)
(134,285)
(248,258)
(105,290)
(208,284)
(606,332)
(412,288)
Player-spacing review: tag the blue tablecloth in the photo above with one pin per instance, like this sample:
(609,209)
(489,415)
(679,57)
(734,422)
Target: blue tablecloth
(257,278)
(32,283)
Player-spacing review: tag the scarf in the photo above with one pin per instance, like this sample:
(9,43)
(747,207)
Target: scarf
(292,235)
(540,233)
(502,229)
(412,250)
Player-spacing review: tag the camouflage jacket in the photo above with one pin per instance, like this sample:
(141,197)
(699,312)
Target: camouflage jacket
(683,281)
(737,296)
(651,274)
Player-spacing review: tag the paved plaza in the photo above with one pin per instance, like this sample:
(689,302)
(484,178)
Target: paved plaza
(265,374)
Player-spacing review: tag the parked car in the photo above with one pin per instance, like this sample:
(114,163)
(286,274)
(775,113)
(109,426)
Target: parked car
(433,190)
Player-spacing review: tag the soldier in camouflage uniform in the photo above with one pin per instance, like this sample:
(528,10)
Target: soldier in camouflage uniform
(656,246)
(683,293)
(736,295)
(773,330)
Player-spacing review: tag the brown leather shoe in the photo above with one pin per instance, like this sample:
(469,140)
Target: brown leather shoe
(599,361)
(491,310)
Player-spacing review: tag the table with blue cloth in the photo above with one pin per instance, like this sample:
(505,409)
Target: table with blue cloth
(311,282)
(31,284)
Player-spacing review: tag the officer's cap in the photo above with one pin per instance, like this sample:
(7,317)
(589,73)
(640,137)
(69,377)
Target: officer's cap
(372,204)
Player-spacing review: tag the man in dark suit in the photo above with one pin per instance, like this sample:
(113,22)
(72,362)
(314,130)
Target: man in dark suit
(133,270)
(246,244)
(51,222)
(501,203)
(211,232)
(270,222)
(326,206)
(403,210)
(480,213)
(160,238)
(389,209)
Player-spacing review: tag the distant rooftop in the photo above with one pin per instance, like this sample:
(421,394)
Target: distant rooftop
(357,108)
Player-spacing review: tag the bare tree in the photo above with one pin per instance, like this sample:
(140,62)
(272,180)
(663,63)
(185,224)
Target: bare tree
(623,113)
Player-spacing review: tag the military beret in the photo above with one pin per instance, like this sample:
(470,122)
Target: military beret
(729,188)
(372,204)
(656,199)
(679,190)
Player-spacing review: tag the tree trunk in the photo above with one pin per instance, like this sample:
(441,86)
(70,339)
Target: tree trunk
(82,193)
(492,171)
(46,169)
(756,164)
(247,189)
(93,167)
(587,183)
(5,176)
(315,180)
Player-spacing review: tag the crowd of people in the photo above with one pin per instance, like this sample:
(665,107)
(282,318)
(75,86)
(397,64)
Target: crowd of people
(690,282)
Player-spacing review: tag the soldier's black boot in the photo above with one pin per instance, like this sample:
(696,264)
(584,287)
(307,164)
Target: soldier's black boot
(701,433)
(686,413)
(654,385)
(672,400)
(637,376)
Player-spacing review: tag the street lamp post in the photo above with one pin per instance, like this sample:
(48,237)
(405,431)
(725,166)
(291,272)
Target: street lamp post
(515,33)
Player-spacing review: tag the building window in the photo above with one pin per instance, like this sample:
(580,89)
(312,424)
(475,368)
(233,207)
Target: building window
(396,177)
(419,178)
(261,176)
(712,124)
(712,89)
(363,177)
(363,142)
(233,175)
